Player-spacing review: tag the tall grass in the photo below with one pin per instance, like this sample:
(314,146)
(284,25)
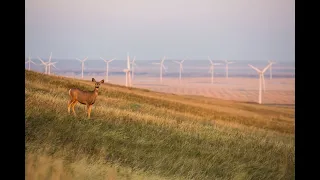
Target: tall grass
(138,134)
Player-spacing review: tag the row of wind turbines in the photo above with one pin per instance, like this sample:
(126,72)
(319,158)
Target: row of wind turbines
(129,71)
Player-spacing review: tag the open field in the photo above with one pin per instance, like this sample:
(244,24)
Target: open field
(278,90)
(141,134)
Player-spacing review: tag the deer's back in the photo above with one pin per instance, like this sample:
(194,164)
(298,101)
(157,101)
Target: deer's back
(84,97)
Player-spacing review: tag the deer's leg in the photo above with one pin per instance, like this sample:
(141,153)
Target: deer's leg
(89,110)
(69,105)
(73,104)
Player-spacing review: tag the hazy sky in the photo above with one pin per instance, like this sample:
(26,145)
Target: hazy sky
(150,29)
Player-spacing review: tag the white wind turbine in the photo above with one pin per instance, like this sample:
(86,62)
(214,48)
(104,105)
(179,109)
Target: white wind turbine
(212,68)
(107,72)
(48,64)
(271,62)
(29,62)
(128,72)
(161,67)
(180,67)
(82,65)
(133,64)
(261,79)
(227,70)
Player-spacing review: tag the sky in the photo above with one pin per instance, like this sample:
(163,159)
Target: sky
(237,30)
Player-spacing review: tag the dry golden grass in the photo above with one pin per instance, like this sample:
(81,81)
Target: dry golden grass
(140,134)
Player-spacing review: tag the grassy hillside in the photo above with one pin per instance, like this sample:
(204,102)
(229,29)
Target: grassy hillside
(139,134)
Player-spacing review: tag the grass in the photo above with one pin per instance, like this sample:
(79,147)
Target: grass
(139,134)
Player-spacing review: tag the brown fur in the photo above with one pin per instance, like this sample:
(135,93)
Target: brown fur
(83,97)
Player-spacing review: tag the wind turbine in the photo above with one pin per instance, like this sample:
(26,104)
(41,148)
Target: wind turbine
(212,68)
(261,78)
(29,62)
(107,62)
(227,70)
(127,71)
(133,64)
(47,64)
(82,65)
(161,67)
(180,67)
(51,64)
(271,62)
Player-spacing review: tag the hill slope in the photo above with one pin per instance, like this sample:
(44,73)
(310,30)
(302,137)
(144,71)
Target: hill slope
(139,134)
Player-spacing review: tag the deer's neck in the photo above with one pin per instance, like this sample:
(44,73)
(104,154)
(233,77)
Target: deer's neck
(96,90)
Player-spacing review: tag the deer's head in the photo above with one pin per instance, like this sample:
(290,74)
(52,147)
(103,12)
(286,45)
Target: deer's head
(97,84)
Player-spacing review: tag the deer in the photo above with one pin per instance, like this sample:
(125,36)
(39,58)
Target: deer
(87,98)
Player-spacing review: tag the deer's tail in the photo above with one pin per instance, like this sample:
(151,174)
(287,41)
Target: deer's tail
(69,92)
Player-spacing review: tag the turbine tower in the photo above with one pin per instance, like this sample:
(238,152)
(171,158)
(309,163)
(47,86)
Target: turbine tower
(212,68)
(161,67)
(128,72)
(180,68)
(29,62)
(271,62)
(107,72)
(82,65)
(227,70)
(261,79)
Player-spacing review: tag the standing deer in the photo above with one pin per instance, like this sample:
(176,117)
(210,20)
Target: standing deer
(84,97)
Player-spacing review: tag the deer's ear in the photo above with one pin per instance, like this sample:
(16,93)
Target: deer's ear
(93,80)
(102,81)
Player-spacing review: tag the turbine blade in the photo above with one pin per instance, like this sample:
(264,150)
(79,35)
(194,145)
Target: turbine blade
(103,59)
(210,60)
(85,59)
(164,57)
(33,62)
(54,66)
(50,57)
(264,70)
(111,59)
(254,68)
(177,62)
(78,59)
(163,67)
(41,60)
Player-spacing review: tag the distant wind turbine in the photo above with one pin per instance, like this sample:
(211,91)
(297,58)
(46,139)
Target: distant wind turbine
(128,72)
(82,65)
(212,68)
(47,64)
(161,67)
(107,72)
(133,64)
(51,64)
(29,62)
(271,62)
(180,67)
(261,79)
(227,70)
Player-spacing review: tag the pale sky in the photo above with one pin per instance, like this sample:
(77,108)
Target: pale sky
(149,29)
